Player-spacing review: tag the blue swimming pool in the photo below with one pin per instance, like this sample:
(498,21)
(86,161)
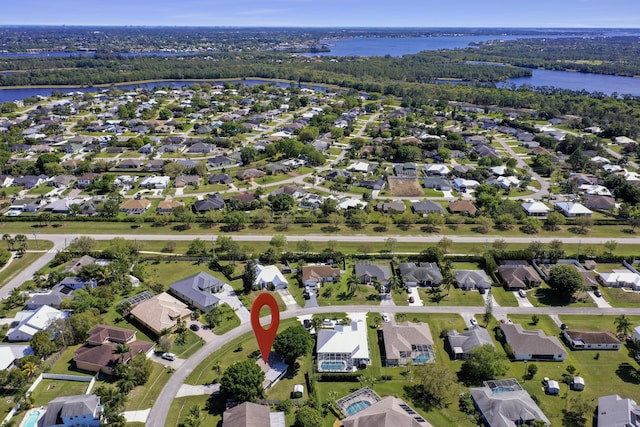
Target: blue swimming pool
(502,389)
(333,366)
(32,419)
(356,407)
(422,358)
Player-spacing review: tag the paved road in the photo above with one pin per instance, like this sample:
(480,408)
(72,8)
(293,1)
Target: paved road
(544,183)
(160,409)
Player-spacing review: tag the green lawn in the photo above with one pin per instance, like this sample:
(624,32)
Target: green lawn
(608,373)
(180,408)
(544,296)
(338,294)
(228,320)
(18,265)
(144,397)
(40,190)
(620,298)
(456,297)
(206,188)
(191,344)
(48,390)
(503,297)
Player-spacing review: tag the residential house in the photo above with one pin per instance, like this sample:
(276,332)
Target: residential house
(249,174)
(620,279)
(130,164)
(614,411)
(316,275)
(269,277)
(220,162)
(437,183)
(76,264)
(345,348)
(99,353)
(30,181)
(436,169)
(135,206)
(62,181)
(532,344)
(31,321)
(591,340)
(220,178)
(421,274)
(58,293)
(211,203)
(572,209)
(87,179)
(408,169)
(504,403)
(463,185)
(201,147)
(250,414)
(460,345)
(160,313)
(6,181)
(407,342)
(157,182)
(168,205)
(472,279)
(464,207)
(68,411)
(535,208)
(154,165)
(292,190)
(12,353)
(184,180)
(198,291)
(602,203)
(366,272)
(390,411)
(362,167)
(372,184)
(427,207)
(519,275)
(394,207)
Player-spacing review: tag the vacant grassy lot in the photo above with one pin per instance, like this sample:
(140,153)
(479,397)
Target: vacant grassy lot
(405,187)
(144,397)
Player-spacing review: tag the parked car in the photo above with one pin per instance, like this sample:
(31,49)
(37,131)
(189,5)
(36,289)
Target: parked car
(522,294)
(168,356)
(411,299)
(598,293)
(473,321)
(564,326)
(385,318)
(194,327)
(482,291)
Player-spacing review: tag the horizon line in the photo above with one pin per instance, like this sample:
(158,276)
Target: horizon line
(313,27)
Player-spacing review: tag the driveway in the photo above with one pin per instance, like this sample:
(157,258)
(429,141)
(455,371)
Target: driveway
(313,300)
(387,299)
(523,302)
(288,299)
(175,364)
(196,390)
(600,301)
(229,296)
(417,301)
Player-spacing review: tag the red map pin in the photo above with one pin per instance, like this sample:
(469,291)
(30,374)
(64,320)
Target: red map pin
(264,336)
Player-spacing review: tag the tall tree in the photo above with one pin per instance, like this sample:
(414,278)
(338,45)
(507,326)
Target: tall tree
(242,382)
(484,363)
(623,325)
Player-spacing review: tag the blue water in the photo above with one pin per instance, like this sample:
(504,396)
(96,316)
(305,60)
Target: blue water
(10,95)
(501,390)
(356,407)
(423,358)
(332,366)
(32,419)
(89,53)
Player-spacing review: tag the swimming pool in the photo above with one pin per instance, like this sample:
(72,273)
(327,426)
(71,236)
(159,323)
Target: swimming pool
(333,366)
(356,407)
(31,420)
(422,358)
(502,390)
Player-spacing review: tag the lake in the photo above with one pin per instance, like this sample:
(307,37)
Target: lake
(580,81)
(10,95)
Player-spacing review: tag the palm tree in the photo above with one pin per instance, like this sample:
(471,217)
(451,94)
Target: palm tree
(121,349)
(623,325)
(316,323)
(22,239)
(10,241)
(353,284)
(30,369)
(217,367)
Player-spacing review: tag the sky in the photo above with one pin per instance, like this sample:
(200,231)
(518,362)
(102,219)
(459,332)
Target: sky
(326,13)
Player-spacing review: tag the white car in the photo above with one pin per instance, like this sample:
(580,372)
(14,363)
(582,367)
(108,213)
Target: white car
(522,294)
(385,318)
(169,356)
(473,321)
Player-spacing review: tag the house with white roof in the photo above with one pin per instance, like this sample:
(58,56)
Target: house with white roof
(498,170)
(157,182)
(350,203)
(344,348)
(614,411)
(268,276)
(462,185)
(535,208)
(508,182)
(620,279)
(32,321)
(362,167)
(572,209)
(437,169)
(594,190)
(10,354)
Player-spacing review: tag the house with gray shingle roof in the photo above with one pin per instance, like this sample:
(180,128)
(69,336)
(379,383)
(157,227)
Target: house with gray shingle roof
(84,409)
(421,274)
(406,341)
(614,411)
(198,290)
(460,345)
(532,344)
(502,407)
(472,279)
(366,272)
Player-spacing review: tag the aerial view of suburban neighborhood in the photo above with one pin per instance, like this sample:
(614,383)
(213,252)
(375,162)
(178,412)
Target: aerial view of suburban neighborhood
(447,220)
